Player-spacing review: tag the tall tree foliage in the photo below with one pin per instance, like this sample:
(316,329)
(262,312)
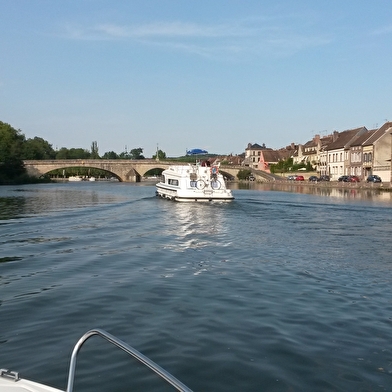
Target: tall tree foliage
(38,149)
(161,155)
(73,153)
(11,153)
(137,153)
(94,151)
(110,155)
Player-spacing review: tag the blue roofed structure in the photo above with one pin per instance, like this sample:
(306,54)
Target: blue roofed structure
(196,151)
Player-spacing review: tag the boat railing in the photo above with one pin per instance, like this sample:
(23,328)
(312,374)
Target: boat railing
(129,350)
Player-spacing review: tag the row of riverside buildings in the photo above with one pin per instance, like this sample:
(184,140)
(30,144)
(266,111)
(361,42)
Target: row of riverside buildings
(360,152)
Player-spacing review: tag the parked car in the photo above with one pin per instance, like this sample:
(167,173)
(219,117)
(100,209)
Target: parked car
(313,179)
(373,178)
(343,179)
(291,178)
(324,178)
(353,179)
(299,178)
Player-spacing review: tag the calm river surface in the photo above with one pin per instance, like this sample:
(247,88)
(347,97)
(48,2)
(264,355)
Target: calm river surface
(276,291)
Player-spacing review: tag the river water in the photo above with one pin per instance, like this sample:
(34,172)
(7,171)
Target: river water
(275,291)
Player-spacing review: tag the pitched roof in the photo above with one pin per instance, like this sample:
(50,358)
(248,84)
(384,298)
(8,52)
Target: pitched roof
(378,133)
(345,137)
(362,138)
(255,147)
(310,143)
(276,155)
(234,159)
(326,140)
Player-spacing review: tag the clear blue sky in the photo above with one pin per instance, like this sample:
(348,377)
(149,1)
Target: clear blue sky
(212,74)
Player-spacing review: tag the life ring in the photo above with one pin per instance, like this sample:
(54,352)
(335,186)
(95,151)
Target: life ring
(214,170)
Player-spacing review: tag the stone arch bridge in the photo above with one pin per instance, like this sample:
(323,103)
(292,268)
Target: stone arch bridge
(127,170)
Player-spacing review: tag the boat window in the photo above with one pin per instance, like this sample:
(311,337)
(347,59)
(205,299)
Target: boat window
(193,184)
(173,182)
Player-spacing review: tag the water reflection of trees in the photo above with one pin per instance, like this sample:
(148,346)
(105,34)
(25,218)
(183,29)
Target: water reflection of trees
(28,201)
(10,207)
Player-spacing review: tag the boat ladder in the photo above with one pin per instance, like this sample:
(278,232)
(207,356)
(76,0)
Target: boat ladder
(129,350)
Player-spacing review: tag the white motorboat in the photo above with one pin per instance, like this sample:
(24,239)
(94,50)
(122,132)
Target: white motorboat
(11,382)
(75,178)
(199,182)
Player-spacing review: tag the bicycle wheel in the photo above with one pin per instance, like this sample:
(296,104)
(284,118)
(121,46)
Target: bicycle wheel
(215,184)
(200,184)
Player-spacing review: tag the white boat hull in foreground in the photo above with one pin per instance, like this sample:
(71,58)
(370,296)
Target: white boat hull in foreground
(9,384)
(193,183)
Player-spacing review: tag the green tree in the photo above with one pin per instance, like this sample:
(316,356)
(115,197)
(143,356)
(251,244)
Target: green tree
(309,166)
(125,155)
(244,174)
(136,153)
(79,153)
(63,153)
(282,166)
(38,148)
(110,155)
(161,155)
(73,153)
(94,151)
(11,153)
